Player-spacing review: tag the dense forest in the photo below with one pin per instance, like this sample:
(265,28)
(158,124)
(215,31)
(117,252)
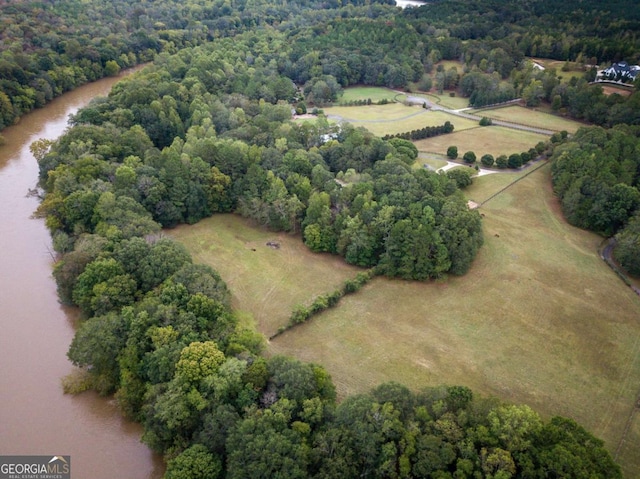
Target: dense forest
(596,175)
(207,129)
(48,48)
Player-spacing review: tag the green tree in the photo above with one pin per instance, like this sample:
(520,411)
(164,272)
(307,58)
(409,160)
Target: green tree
(198,360)
(317,227)
(514,161)
(452,152)
(462,177)
(96,346)
(627,249)
(164,259)
(111,68)
(195,462)
(487,160)
(469,157)
(414,249)
(262,446)
(98,272)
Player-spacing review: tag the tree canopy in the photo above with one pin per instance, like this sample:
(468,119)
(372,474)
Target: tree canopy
(207,129)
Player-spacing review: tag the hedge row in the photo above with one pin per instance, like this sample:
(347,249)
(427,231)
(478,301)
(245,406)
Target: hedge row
(323,302)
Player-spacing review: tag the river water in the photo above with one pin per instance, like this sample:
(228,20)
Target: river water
(36,418)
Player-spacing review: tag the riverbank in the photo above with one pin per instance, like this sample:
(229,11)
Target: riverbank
(36,417)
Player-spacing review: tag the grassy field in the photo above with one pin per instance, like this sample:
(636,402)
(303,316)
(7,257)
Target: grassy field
(540,319)
(448,64)
(366,92)
(396,118)
(266,283)
(526,116)
(481,190)
(431,159)
(495,140)
(445,100)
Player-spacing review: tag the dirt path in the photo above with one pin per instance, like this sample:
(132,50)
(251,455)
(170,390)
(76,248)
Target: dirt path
(462,113)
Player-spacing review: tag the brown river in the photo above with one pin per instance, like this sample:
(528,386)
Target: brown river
(36,418)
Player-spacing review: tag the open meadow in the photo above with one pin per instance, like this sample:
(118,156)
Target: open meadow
(540,319)
(266,282)
(529,117)
(372,93)
(445,100)
(395,118)
(434,161)
(494,140)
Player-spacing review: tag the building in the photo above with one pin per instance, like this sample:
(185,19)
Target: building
(621,71)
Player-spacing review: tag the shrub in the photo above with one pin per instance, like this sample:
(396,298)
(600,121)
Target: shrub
(462,176)
(487,160)
(452,152)
(515,161)
(484,121)
(469,157)
(300,315)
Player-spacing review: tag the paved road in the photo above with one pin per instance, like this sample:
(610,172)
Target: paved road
(607,256)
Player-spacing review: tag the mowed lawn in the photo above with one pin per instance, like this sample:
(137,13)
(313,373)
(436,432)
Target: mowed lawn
(494,140)
(266,283)
(368,92)
(526,116)
(395,118)
(540,319)
(452,102)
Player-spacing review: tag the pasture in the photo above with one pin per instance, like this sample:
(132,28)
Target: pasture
(395,118)
(445,100)
(266,282)
(540,319)
(431,159)
(529,117)
(494,140)
(375,94)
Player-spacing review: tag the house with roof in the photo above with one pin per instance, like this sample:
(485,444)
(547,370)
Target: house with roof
(621,71)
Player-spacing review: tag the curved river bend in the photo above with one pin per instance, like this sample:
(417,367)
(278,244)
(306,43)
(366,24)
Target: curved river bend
(36,418)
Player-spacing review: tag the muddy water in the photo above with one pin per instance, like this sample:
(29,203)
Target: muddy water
(35,330)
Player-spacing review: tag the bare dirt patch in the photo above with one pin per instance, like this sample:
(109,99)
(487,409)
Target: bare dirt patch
(610,90)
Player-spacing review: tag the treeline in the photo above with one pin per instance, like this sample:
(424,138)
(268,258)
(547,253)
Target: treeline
(363,102)
(159,333)
(596,174)
(206,130)
(179,141)
(50,47)
(422,133)
(571,30)
(326,301)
